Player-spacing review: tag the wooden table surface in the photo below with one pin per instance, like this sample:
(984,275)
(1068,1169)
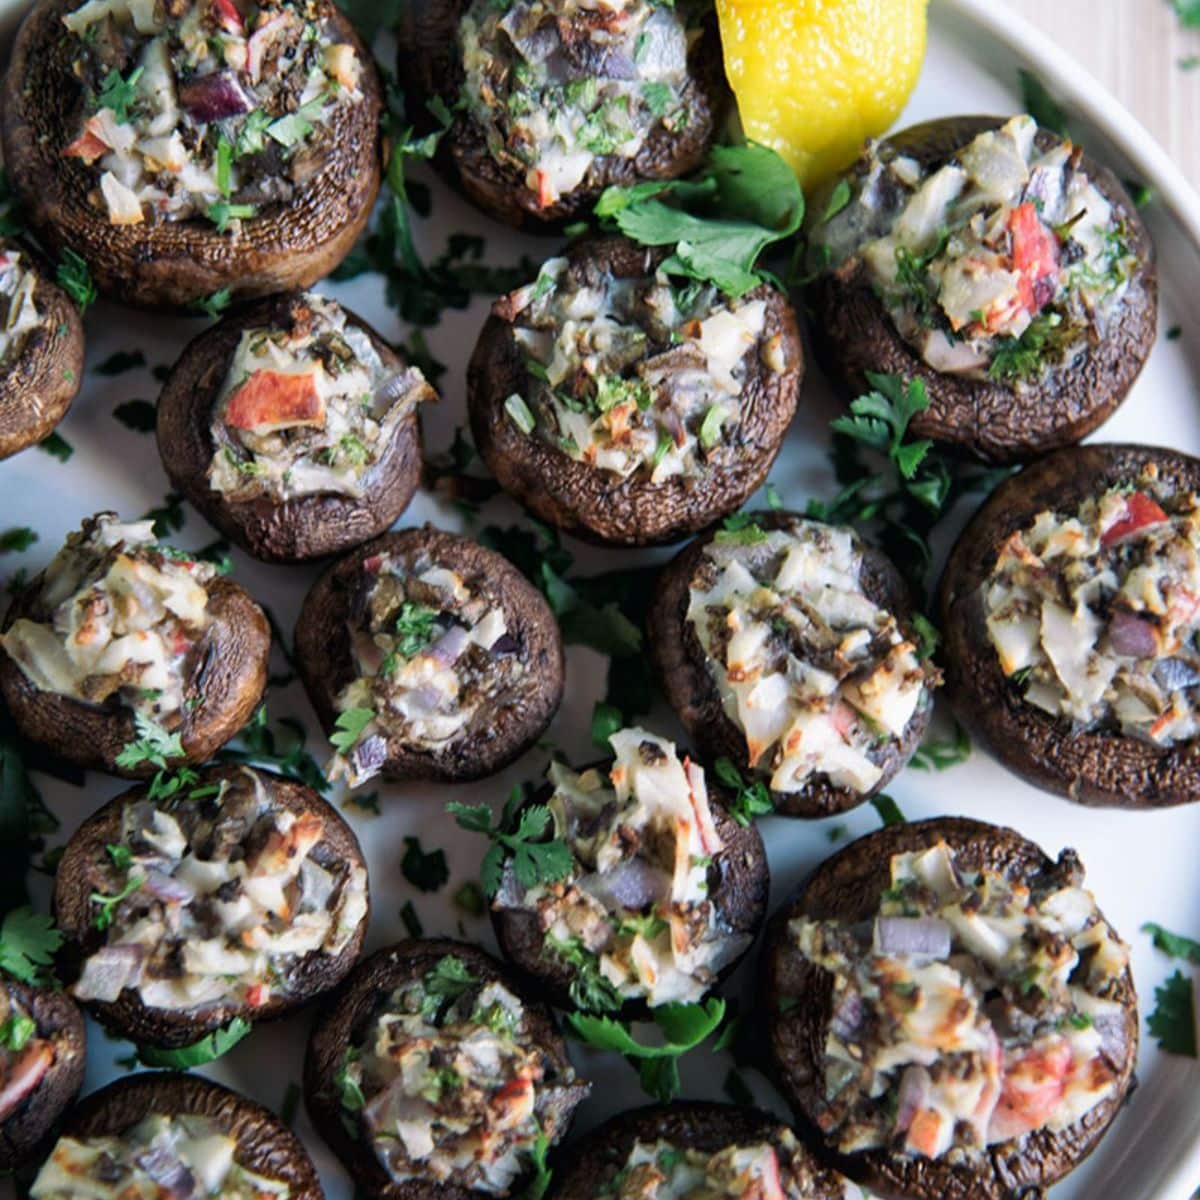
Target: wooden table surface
(1133,48)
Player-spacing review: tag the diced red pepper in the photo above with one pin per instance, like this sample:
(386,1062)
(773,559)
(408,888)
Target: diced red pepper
(257,994)
(87,146)
(1140,511)
(372,564)
(274,400)
(545,192)
(1034,255)
(228,15)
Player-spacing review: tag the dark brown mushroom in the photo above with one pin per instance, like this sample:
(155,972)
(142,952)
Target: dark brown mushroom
(43,377)
(588,1168)
(86,869)
(430,69)
(264,1144)
(499,732)
(176,264)
(991,419)
(1087,766)
(226,679)
(797,1006)
(739,882)
(599,504)
(310,526)
(29,1112)
(682,665)
(345,1019)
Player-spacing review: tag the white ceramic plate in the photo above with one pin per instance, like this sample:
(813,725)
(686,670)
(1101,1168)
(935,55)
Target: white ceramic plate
(1140,864)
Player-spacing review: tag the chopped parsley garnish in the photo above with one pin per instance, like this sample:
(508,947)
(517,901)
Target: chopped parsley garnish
(139,415)
(590,989)
(16,1032)
(1176,945)
(168,517)
(1042,342)
(118,93)
(470,899)
(426,872)
(415,628)
(449,979)
(206,1050)
(75,278)
(28,941)
(57,446)
(1173,1021)
(349,1092)
(295,127)
(888,810)
(939,754)
(120,362)
(214,305)
(108,904)
(1041,106)
(222,213)
(750,799)
(607,719)
(154,746)
(17,540)
(519,835)
(412,922)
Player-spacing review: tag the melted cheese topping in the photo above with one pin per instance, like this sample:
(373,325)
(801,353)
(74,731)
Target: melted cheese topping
(999,264)
(556,84)
(211,112)
(226,897)
(17,285)
(975,1010)
(636,901)
(178,1156)
(632,375)
(308,407)
(768,1170)
(431,654)
(454,1083)
(817,676)
(1096,614)
(116,617)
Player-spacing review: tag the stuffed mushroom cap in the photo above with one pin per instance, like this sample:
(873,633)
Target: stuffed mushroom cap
(665,892)
(950,941)
(549,102)
(224,1144)
(43,1053)
(194,149)
(999,265)
(428,656)
(654,415)
(156,646)
(1089,691)
(822,715)
(171,908)
(41,349)
(431,1051)
(292,426)
(692,1148)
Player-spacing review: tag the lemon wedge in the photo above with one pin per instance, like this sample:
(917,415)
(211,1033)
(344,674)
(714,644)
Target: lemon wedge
(815,78)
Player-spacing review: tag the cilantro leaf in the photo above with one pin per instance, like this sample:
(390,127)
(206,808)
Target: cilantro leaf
(534,860)
(108,904)
(449,979)
(118,93)
(750,799)
(17,540)
(1173,1021)
(426,872)
(416,628)
(1173,944)
(590,989)
(120,362)
(139,415)
(683,1027)
(154,746)
(349,728)
(28,941)
(208,1048)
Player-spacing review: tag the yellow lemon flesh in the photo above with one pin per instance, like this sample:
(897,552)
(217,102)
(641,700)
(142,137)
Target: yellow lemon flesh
(815,78)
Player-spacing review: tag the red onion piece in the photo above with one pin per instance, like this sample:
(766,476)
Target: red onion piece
(109,971)
(505,644)
(633,884)
(921,937)
(448,649)
(166,887)
(1175,674)
(214,97)
(24,1075)
(1132,635)
(395,387)
(847,1018)
(511,892)
(370,755)
(174,1180)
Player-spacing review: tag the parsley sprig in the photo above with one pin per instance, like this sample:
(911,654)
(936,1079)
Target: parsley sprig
(1173,1020)
(28,941)
(210,1047)
(520,834)
(427,872)
(750,798)
(682,1026)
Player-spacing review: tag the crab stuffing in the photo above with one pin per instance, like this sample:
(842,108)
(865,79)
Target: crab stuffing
(646,852)
(432,653)
(973,1010)
(820,679)
(768,1170)
(224,897)
(1006,247)
(177,1155)
(454,1085)
(1095,614)
(557,85)
(632,375)
(17,286)
(117,616)
(205,110)
(307,407)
